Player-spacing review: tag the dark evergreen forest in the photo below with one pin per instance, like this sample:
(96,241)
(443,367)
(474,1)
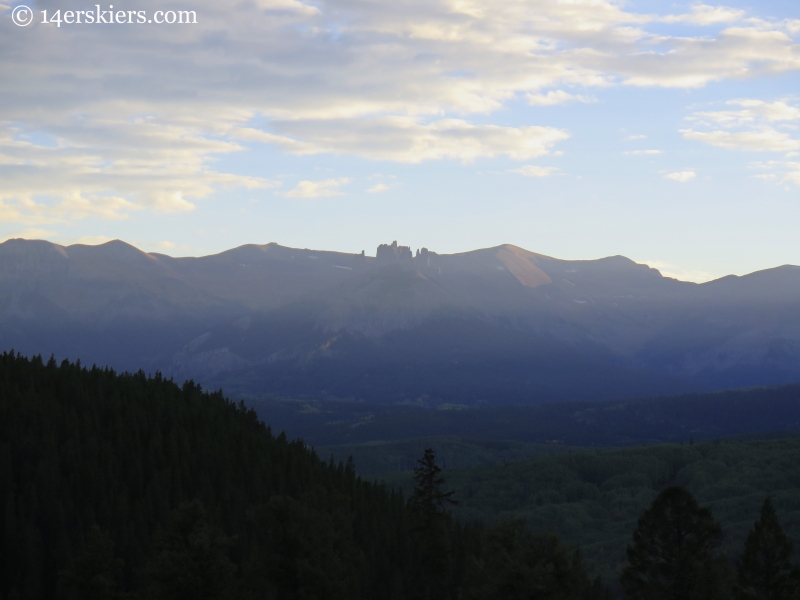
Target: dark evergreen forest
(128,486)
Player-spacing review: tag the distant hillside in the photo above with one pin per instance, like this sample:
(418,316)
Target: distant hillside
(383,431)
(493,326)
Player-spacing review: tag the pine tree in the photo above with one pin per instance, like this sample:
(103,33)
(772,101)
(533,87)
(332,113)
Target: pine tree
(671,557)
(764,572)
(429,502)
(430,524)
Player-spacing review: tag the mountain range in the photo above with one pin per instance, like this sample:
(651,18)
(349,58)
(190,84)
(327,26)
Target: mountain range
(493,326)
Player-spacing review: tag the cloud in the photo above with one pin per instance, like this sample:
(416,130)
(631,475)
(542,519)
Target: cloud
(753,127)
(408,82)
(141,165)
(410,140)
(765,139)
(553,98)
(318,189)
(378,188)
(633,138)
(76,206)
(792,173)
(535,171)
(704,14)
(779,171)
(744,51)
(681,176)
(642,152)
(164,245)
(753,111)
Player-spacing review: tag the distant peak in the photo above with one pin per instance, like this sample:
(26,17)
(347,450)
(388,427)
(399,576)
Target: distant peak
(22,246)
(114,244)
(113,248)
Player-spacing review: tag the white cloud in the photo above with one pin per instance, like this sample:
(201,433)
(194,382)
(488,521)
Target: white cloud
(76,206)
(779,171)
(318,189)
(750,128)
(535,171)
(378,188)
(164,245)
(772,111)
(643,152)
(407,82)
(633,138)
(752,111)
(142,165)
(681,176)
(792,172)
(409,140)
(762,140)
(704,14)
(738,52)
(556,97)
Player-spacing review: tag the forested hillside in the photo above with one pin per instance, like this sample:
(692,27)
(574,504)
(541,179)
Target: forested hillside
(119,486)
(593,499)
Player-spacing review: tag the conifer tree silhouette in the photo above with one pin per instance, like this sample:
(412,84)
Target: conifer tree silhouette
(671,557)
(765,572)
(430,519)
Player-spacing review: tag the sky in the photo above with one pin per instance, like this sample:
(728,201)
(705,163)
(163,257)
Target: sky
(665,132)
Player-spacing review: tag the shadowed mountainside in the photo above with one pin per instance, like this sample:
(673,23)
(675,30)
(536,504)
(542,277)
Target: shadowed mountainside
(498,325)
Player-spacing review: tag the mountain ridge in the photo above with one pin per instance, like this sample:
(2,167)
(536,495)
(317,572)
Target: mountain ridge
(492,325)
(122,249)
